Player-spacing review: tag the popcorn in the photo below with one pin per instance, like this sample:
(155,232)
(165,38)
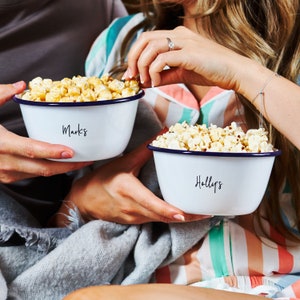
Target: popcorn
(80,89)
(232,138)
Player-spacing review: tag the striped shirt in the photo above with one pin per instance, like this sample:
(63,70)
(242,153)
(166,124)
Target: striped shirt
(230,257)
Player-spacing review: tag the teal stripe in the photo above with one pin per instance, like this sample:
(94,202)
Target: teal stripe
(105,43)
(101,42)
(186,115)
(113,32)
(217,250)
(204,113)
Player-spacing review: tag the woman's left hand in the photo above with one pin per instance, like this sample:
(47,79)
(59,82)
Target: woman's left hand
(113,192)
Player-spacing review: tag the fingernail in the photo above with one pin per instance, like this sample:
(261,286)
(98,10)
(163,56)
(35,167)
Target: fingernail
(66,154)
(18,84)
(179,217)
(127,74)
(141,80)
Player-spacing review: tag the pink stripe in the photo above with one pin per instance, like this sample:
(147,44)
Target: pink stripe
(181,95)
(214,91)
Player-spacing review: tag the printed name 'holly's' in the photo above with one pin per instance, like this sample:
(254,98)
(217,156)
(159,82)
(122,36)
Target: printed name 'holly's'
(208,182)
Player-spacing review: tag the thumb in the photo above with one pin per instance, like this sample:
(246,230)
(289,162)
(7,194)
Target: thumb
(7,91)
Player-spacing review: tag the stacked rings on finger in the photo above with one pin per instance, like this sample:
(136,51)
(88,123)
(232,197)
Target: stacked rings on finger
(171,44)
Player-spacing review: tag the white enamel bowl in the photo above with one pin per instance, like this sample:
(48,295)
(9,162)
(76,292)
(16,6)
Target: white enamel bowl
(213,183)
(94,130)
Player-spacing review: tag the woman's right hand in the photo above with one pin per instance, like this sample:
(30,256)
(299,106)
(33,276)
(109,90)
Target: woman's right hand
(22,157)
(197,60)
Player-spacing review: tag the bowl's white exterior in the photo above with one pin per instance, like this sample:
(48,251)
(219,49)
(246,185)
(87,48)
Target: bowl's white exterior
(213,185)
(94,132)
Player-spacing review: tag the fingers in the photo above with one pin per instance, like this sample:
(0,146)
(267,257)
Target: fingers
(191,58)
(165,69)
(139,205)
(112,192)
(148,207)
(160,57)
(13,144)
(146,49)
(22,158)
(9,90)
(154,49)
(14,168)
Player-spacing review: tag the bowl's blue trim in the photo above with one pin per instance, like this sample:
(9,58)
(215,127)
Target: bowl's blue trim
(92,103)
(208,153)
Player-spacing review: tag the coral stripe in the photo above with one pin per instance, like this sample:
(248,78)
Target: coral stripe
(255,254)
(286,260)
(256,281)
(296,288)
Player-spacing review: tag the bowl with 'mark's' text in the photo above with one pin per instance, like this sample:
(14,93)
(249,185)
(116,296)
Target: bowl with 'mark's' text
(96,127)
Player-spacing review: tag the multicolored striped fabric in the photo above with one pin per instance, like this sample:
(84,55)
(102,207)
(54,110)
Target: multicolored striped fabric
(234,258)
(231,257)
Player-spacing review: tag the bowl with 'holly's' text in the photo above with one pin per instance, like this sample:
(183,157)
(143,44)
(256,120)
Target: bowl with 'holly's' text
(213,170)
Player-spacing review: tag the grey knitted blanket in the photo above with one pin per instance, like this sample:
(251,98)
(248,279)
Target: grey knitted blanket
(95,254)
(52,262)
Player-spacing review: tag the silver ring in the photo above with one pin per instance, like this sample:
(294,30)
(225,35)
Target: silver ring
(171,45)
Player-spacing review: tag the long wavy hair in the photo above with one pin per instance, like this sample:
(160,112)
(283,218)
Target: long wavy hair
(267,31)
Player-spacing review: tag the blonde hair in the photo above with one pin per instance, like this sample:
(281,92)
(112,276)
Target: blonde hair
(264,30)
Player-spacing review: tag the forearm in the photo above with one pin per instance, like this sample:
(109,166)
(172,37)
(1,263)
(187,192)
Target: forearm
(153,291)
(281,98)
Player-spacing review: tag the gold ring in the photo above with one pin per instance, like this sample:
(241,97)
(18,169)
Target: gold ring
(171,44)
